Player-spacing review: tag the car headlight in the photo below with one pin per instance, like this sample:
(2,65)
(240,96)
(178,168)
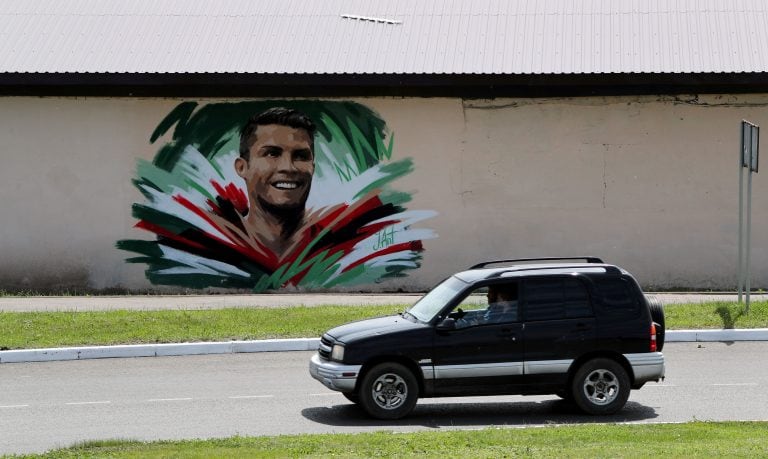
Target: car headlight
(337,353)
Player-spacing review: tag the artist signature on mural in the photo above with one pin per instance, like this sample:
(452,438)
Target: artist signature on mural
(385,238)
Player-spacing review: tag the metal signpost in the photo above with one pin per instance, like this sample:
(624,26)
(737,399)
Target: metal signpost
(748,159)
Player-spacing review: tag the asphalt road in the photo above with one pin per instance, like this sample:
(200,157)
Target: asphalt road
(54,404)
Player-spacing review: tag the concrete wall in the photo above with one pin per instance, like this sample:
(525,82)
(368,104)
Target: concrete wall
(649,183)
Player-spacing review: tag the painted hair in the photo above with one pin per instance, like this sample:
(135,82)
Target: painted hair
(277,115)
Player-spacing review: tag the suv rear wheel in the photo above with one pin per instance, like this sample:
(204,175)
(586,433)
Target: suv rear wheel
(657,315)
(388,391)
(600,386)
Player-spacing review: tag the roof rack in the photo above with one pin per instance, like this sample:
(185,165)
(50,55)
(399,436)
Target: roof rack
(587,259)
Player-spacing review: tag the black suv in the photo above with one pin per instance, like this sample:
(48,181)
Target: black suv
(582,330)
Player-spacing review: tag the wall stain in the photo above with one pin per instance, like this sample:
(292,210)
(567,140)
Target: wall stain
(605,168)
(694,100)
(467,105)
(698,100)
(70,280)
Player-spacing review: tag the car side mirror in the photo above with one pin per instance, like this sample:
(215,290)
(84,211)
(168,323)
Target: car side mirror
(447,324)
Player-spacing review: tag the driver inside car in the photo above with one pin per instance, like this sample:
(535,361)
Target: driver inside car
(502,304)
(502,308)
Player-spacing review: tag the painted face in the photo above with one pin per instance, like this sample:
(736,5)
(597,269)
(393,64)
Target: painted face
(279,170)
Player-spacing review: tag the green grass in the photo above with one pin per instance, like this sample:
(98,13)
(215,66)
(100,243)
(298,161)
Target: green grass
(716,315)
(29,330)
(690,440)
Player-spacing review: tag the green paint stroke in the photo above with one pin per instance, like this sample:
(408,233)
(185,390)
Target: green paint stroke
(212,125)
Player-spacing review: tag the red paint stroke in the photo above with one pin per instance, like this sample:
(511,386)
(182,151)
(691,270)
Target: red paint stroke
(214,207)
(233,194)
(160,231)
(369,205)
(269,260)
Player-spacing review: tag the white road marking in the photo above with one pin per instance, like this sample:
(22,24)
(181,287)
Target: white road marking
(169,399)
(101,402)
(13,406)
(737,384)
(250,396)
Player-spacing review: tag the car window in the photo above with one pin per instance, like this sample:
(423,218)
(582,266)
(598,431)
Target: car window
(493,304)
(556,298)
(576,299)
(477,299)
(436,299)
(617,296)
(544,299)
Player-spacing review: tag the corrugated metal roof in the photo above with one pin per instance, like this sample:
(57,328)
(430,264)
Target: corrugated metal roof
(410,37)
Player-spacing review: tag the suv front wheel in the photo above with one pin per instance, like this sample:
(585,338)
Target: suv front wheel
(388,391)
(600,386)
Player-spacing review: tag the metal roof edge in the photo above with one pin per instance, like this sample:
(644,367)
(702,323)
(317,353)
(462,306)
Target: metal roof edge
(345,85)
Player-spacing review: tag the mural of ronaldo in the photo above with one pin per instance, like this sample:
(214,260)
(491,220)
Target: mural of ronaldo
(277,163)
(246,221)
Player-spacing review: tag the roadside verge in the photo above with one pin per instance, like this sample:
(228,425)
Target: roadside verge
(283,345)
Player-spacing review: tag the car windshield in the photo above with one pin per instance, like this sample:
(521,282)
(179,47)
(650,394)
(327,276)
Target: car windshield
(430,304)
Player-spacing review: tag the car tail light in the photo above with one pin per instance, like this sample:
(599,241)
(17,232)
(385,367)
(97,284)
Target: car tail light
(653,337)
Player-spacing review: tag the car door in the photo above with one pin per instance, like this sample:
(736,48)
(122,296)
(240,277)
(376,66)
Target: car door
(478,357)
(559,327)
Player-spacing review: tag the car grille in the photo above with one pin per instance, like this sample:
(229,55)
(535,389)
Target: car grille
(326,344)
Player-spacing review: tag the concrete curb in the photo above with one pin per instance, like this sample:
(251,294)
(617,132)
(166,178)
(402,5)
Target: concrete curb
(283,345)
(751,334)
(157,350)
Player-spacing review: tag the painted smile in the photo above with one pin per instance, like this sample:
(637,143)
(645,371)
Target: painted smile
(286,185)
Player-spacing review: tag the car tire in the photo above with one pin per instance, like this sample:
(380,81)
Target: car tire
(657,315)
(352,397)
(600,386)
(388,391)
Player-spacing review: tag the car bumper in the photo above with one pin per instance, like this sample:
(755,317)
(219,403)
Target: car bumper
(334,375)
(648,366)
